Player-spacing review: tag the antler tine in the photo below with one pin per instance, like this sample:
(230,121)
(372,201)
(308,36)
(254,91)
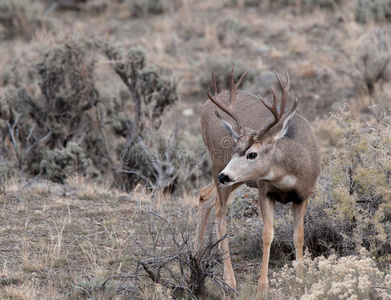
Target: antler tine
(234,86)
(232,89)
(241,79)
(284,91)
(215,101)
(214,84)
(230,112)
(230,109)
(273,108)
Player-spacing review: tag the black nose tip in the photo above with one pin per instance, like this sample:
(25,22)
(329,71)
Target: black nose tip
(224,178)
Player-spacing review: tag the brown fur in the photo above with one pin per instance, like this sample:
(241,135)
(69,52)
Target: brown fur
(296,155)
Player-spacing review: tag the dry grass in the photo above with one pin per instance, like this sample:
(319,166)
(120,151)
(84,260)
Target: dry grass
(51,244)
(57,247)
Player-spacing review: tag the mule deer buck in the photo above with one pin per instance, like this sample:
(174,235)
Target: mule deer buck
(252,142)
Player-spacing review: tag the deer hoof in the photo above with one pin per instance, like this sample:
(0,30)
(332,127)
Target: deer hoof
(263,290)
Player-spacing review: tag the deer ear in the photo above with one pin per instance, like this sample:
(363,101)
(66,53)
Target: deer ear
(286,121)
(227,126)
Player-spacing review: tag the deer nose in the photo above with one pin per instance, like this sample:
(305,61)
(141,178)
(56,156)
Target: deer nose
(224,178)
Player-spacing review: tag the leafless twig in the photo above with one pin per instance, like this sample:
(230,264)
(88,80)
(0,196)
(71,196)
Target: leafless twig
(174,265)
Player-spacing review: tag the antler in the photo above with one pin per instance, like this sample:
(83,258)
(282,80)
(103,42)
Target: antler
(273,108)
(230,108)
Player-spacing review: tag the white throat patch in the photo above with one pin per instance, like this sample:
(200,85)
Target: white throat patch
(287,182)
(270,176)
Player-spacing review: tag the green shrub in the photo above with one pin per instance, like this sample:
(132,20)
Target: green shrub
(20,18)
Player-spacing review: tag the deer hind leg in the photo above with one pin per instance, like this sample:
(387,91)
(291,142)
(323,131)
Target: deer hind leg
(298,232)
(267,211)
(206,202)
(221,223)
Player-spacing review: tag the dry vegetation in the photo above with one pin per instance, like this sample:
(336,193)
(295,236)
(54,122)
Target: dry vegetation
(86,87)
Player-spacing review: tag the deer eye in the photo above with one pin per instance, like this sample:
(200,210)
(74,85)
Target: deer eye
(252,155)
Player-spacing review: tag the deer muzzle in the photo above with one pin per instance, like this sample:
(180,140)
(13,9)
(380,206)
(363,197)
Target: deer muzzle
(223,179)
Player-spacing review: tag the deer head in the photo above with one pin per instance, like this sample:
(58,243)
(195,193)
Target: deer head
(255,151)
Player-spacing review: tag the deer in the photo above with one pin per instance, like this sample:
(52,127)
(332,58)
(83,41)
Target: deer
(256,143)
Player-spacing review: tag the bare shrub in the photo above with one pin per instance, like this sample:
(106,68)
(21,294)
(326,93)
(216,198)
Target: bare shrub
(166,257)
(149,95)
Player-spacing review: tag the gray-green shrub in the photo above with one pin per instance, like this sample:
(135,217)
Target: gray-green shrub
(59,123)
(221,67)
(140,8)
(352,206)
(52,107)
(20,18)
(373,10)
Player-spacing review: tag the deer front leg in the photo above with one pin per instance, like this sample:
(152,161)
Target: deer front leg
(221,223)
(298,232)
(267,211)
(206,201)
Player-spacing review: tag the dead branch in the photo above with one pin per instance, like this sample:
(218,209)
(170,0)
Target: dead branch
(174,265)
(11,130)
(2,185)
(117,169)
